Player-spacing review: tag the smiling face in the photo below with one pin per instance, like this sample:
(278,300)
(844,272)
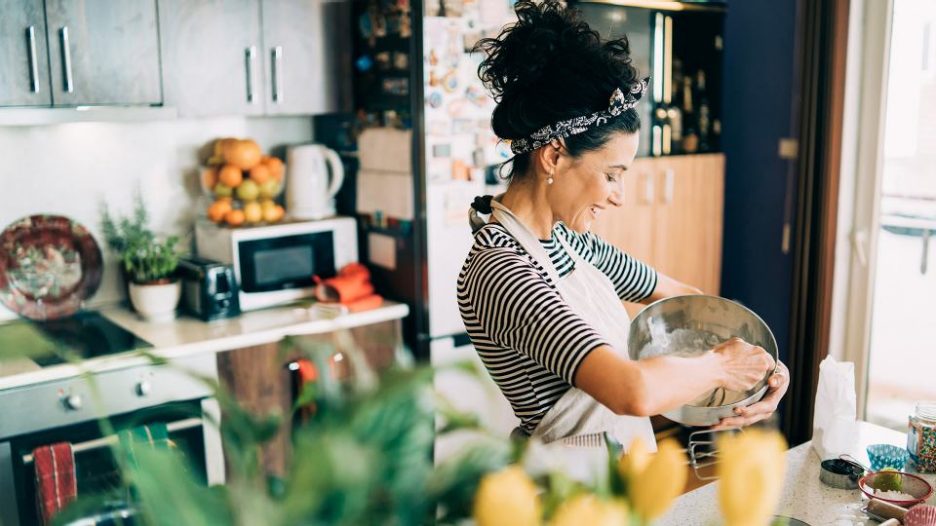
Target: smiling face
(586,185)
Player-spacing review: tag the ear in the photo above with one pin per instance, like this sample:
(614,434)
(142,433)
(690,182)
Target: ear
(548,156)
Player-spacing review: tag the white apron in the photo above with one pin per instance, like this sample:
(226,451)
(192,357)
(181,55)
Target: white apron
(577,419)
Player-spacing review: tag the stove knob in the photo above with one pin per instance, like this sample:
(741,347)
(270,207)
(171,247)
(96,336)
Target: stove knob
(143,388)
(73,402)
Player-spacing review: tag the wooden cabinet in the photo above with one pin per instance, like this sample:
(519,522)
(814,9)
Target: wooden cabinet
(256,57)
(24,58)
(261,382)
(103,52)
(672,217)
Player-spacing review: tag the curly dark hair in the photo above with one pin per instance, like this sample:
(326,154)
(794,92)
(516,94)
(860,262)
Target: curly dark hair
(551,66)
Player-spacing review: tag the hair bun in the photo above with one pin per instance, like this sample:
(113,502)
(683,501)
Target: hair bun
(549,66)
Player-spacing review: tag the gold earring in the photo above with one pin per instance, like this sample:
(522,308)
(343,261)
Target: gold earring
(549,180)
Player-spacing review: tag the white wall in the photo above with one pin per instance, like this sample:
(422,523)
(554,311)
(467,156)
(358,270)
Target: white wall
(71,169)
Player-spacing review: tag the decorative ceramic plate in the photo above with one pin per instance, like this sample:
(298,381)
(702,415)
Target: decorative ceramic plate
(48,266)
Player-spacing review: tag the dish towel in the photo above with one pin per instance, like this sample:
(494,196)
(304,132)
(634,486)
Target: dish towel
(56,484)
(152,435)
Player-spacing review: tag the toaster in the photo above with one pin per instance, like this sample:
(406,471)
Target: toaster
(209,288)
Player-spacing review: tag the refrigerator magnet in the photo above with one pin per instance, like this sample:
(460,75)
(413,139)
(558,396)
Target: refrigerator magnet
(435,99)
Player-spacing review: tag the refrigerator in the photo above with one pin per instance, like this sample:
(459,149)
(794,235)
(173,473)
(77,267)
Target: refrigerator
(422,123)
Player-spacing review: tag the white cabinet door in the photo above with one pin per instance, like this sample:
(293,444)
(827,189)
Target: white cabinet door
(307,55)
(211,55)
(104,52)
(24,58)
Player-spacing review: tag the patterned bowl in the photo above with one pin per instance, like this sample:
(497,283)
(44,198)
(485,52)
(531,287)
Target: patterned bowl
(921,515)
(887,456)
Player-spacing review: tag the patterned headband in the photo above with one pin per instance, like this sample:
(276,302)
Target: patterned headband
(618,104)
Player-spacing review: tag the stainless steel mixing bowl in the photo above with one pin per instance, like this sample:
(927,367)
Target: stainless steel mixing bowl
(690,325)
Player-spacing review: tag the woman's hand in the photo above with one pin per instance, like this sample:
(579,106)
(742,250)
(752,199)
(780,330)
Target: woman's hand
(744,365)
(778,385)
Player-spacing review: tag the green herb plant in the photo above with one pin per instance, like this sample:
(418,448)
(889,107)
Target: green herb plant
(144,257)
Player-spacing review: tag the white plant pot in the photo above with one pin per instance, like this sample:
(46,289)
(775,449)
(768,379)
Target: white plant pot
(156,302)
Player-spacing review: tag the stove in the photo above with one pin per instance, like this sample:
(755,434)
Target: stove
(84,335)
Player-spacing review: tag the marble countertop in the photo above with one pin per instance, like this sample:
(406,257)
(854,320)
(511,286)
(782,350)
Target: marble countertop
(186,336)
(804,496)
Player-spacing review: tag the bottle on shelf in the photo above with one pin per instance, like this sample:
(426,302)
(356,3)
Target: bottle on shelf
(704,117)
(690,139)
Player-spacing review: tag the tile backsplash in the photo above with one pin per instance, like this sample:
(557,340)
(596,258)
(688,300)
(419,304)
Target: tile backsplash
(71,169)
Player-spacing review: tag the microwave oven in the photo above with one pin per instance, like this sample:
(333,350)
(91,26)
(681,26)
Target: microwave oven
(275,264)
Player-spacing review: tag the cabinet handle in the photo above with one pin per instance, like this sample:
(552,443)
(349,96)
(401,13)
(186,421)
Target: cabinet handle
(648,188)
(669,185)
(249,55)
(66,61)
(33,61)
(277,68)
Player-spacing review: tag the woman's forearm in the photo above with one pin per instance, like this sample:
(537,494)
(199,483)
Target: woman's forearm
(648,387)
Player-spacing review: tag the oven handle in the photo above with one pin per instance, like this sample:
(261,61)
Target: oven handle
(97,443)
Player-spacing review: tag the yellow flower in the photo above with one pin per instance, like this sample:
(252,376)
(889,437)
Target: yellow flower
(633,463)
(592,511)
(750,476)
(507,497)
(652,489)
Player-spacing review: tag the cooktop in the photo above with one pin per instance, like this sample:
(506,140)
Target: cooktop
(85,334)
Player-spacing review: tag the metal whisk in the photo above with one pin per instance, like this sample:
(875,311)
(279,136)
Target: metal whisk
(702,452)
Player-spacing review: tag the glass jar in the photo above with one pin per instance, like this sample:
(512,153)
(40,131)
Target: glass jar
(921,438)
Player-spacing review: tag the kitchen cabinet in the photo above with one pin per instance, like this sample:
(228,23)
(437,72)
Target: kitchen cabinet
(260,380)
(672,217)
(256,57)
(24,58)
(211,56)
(103,52)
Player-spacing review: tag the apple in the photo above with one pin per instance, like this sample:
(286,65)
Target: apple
(248,191)
(270,188)
(223,190)
(253,213)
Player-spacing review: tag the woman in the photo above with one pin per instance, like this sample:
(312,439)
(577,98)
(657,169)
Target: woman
(541,297)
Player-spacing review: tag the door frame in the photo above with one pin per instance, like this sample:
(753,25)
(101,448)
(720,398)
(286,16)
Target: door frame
(863,160)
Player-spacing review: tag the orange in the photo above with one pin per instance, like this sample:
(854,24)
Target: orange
(260,174)
(209,178)
(273,213)
(231,176)
(219,209)
(244,154)
(275,166)
(235,217)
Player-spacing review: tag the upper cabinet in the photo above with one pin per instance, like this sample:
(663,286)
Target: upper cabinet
(219,59)
(103,52)
(211,56)
(24,64)
(303,43)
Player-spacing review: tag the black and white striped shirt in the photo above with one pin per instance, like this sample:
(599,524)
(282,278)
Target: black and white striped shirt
(529,339)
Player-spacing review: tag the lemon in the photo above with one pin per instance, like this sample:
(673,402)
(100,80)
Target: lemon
(888,479)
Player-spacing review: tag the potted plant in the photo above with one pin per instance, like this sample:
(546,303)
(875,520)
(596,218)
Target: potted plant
(148,262)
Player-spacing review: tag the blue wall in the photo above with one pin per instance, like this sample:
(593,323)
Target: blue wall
(760,91)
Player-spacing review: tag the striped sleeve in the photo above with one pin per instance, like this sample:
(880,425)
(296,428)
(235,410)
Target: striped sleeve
(520,310)
(633,279)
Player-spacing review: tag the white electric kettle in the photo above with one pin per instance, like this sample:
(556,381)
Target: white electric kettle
(309,193)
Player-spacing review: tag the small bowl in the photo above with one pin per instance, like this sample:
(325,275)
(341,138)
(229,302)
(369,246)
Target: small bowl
(910,484)
(887,456)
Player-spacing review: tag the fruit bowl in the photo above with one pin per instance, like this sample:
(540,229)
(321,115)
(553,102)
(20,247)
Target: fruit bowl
(242,184)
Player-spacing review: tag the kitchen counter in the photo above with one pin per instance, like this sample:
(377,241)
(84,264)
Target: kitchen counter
(186,336)
(804,496)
